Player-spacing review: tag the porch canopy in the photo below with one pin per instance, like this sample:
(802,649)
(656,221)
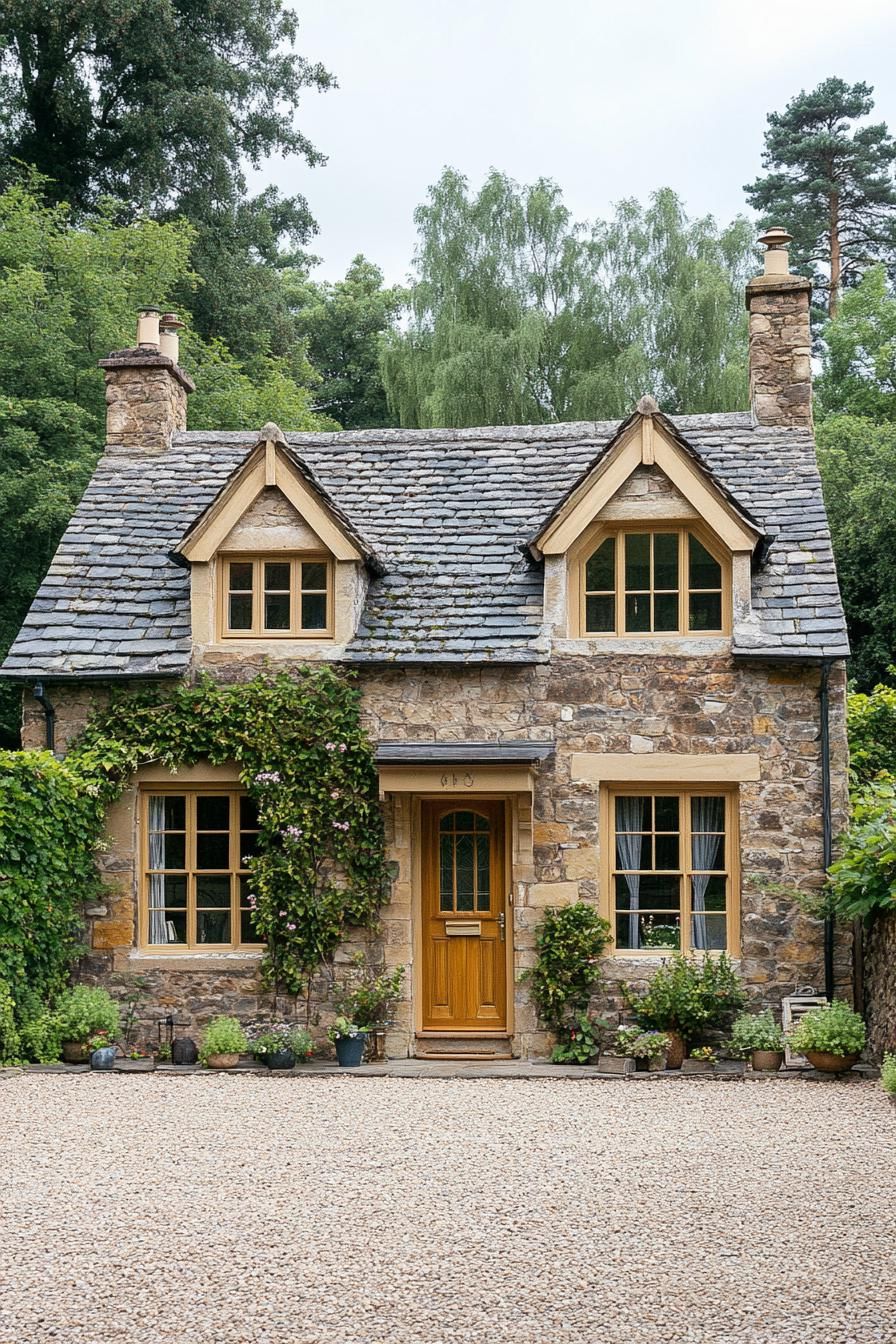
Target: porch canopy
(459,767)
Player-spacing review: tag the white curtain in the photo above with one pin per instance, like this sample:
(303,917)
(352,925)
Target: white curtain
(707,814)
(629,815)
(158,932)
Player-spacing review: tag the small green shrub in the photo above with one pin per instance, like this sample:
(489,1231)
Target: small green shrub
(343,1027)
(888,1074)
(756,1031)
(84,1011)
(638,1044)
(369,998)
(687,996)
(569,942)
(223,1036)
(833,1028)
(579,1041)
(271,1038)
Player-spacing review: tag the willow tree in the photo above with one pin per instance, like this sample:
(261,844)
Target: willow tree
(519,314)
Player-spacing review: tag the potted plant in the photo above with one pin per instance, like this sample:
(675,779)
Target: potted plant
(279,1044)
(646,1048)
(83,1012)
(368,998)
(223,1041)
(759,1036)
(579,1042)
(102,1051)
(831,1037)
(702,1059)
(888,1076)
(685,999)
(350,1041)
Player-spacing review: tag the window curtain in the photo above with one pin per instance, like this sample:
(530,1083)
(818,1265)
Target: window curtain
(707,814)
(158,933)
(629,813)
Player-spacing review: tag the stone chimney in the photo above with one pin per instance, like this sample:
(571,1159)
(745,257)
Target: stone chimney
(146,389)
(780,339)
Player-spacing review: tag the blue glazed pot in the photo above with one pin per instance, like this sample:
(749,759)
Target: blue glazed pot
(279,1059)
(103,1058)
(350,1050)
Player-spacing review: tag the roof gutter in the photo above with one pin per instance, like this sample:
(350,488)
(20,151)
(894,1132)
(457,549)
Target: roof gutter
(827,833)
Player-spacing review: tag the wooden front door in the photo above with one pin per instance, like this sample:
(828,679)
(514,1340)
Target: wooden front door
(464,889)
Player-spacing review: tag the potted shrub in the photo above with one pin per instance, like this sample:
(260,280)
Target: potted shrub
(759,1036)
(279,1044)
(369,998)
(685,999)
(888,1076)
(223,1041)
(831,1037)
(83,1012)
(646,1048)
(579,1042)
(702,1059)
(350,1041)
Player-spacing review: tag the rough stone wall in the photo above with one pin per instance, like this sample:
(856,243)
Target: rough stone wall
(583,704)
(780,350)
(146,399)
(880,985)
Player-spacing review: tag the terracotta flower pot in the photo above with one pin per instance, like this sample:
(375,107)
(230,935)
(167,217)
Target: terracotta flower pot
(825,1062)
(223,1061)
(676,1051)
(75,1052)
(766,1061)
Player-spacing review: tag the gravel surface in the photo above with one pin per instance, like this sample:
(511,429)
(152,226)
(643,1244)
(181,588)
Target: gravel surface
(245,1210)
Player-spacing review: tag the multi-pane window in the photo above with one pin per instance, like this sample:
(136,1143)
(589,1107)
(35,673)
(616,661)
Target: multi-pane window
(465,842)
(656,581)
(271,598)
(671,870)
(195,884)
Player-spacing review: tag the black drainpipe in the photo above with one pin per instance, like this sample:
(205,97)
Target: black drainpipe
(46,704)
(827,834)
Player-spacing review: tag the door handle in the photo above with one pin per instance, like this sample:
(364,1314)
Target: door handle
(502,921)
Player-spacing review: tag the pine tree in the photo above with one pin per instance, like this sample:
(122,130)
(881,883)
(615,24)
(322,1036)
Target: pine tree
(831,184)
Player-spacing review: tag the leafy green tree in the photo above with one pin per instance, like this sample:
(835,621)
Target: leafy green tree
(831,183)
(518,314)
(857,459)
(344,325)
(160,104)
(68,295)
(859,369)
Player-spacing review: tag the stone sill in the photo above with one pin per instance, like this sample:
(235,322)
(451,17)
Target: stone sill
(195,961)
(680,646)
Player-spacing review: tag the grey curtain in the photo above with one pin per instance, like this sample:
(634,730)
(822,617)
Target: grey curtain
(707,814)
(629,812)
(158,933)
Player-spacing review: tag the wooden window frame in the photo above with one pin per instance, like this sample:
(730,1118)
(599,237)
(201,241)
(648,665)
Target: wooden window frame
(596,535)
(191,793)
(684,792)
(295,560)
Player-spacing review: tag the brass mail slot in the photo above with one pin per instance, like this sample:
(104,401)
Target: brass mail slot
(464,928)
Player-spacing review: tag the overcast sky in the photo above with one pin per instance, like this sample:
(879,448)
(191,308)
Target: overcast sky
(609,98)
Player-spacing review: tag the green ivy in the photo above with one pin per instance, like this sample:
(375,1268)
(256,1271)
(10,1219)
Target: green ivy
(302,754)
(569,942)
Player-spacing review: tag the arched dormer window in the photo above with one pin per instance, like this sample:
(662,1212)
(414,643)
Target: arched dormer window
(653,581)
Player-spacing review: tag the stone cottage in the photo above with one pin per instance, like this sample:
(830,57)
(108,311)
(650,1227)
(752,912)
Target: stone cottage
(599,661)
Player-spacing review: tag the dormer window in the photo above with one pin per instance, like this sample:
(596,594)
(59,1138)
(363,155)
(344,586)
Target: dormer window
(653,581)
(287,597)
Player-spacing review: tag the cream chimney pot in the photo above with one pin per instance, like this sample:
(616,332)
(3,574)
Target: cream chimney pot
(776,242)
(148,327)
(169,338)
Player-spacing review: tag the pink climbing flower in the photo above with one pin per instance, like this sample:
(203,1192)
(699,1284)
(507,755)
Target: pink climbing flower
(343,747)
(291,927)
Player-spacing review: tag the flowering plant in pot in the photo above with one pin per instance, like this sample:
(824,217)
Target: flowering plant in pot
(646,1048)
(686,998)
(579,1042)
(223,1041)
(888,1076)
(350,1041)
(759,1036)
(81,1013)
(279,1045)
(831,1037)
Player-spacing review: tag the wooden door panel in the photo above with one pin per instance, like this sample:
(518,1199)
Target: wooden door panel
(464,886)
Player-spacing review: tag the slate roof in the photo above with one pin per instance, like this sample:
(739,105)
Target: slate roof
(449,514)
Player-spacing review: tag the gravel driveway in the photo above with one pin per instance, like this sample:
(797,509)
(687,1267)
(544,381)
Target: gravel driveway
(246,1210)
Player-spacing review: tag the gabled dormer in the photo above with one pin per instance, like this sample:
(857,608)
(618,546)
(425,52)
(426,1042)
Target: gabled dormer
(276,567)
(647,546)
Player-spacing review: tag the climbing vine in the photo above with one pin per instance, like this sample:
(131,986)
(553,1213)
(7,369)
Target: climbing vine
(306,760)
